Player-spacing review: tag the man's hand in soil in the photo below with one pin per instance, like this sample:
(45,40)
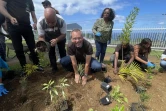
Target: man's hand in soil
(53,42)
(77,78)
(84,80)
(2,89)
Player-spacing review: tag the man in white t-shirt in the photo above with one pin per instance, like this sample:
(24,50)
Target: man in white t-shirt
(52,29)
(47,4)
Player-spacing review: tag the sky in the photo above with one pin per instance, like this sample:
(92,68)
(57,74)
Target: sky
(152,13)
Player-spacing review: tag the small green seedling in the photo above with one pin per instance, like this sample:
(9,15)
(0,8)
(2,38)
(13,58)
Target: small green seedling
(80,68)
(116,95)
(51,89)
(62,85)
(144,97)
(117,108)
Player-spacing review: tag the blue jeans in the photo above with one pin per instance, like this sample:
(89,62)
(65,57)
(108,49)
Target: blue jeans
(100,50)
(163,64)
(95,66)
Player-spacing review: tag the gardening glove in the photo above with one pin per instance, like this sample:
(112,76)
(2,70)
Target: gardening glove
(3,64)
(2,89)
(98,34)
(149,64)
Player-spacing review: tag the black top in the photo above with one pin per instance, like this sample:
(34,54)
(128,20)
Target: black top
(126,50)
(2,19)
(20,10)
(80,53)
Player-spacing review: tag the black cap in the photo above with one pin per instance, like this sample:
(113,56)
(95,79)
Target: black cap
(46,2)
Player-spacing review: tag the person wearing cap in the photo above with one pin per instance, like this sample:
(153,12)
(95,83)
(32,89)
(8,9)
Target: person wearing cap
(52,29)
(47,4)
(18,22)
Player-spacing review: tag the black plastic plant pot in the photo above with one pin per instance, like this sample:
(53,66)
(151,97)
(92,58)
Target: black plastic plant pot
(107,79)
(106,87)
(105,100)
(136,107)
(140,89)
(64,106)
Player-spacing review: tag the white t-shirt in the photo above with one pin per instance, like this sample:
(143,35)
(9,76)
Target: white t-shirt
(41,31)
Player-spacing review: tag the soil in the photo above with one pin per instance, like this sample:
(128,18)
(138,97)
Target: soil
(81,98)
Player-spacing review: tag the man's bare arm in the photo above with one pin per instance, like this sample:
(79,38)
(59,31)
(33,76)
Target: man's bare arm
(74,64)
(87,63)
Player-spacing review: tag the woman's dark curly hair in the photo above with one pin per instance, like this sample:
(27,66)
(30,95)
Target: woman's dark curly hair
(143,44)
(112,13)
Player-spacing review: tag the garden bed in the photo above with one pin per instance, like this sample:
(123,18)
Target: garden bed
(80,98)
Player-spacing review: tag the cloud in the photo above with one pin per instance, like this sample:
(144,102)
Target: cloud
(120,18)
(70,7)
(161,23)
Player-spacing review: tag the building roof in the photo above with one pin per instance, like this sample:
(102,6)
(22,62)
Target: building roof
(73,26)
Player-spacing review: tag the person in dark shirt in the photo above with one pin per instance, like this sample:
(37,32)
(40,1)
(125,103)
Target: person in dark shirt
(47,4)
(80,51)
(124,52)
(18,23)
(141,52)
(163,60)
(2,39)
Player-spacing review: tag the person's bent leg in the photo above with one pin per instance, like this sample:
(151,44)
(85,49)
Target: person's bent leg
(95,65)
(163,64)
(103,50)
(98,50)
(66,63)
(142,65)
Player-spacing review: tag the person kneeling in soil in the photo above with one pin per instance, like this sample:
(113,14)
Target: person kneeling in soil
(141,52)
(80,51)
(163,60)
(123,51)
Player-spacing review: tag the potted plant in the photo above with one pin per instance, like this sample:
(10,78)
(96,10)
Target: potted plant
(114,95)
(144,97)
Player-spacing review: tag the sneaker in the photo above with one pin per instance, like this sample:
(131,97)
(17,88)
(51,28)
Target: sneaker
(58,60)
(40,68)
